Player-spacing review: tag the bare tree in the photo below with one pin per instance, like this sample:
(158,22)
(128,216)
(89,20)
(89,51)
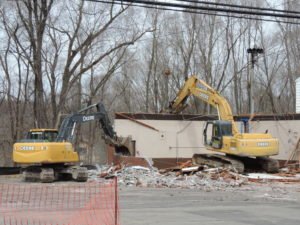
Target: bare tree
(16,72)
(29,35)
(87,48)
(152,65)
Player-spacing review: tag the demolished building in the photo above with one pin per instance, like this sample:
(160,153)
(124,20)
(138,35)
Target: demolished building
(166,139)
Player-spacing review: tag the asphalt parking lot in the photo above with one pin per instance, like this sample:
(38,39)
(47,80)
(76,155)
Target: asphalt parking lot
(251,204)
(262,204)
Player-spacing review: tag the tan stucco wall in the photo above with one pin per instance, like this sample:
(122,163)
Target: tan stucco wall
(176,138)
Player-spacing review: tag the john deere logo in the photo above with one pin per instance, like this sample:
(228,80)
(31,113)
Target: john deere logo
(27,148)
(262,144)
(88,118)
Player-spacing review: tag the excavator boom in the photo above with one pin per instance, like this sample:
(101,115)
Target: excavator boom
(198,88)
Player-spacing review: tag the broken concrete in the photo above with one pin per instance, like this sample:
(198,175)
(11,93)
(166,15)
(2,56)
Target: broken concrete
(145,177)
(186,176)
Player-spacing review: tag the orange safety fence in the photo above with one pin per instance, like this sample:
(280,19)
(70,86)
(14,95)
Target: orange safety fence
(58,203)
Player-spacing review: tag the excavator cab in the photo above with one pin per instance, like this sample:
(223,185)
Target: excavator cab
(214,132)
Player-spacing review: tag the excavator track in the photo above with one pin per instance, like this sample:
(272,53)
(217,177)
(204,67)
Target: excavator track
(259,164)
(51,174)
(47,175)
(35,173)
(78,173)
(215,160)
(269,165)
(238,164)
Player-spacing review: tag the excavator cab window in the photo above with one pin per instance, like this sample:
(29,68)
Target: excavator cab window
(35,135)
(41,136)
(50,136)
(207,133)
(212,135)
(225,128)
(214,132)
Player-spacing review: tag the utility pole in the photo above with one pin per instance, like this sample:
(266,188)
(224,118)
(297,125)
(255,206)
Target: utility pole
(156,94)
(167,73)
(253,54)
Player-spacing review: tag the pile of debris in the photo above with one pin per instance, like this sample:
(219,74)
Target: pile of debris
(184,176)
(188,175)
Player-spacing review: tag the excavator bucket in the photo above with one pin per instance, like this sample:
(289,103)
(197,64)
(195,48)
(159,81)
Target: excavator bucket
(125,146)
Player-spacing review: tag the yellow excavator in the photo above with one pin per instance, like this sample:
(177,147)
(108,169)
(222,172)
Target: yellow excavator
(48,154)
(223,136)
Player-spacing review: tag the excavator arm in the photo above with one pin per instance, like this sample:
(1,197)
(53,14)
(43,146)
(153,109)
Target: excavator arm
(123,145)
(67,128)
(201,90)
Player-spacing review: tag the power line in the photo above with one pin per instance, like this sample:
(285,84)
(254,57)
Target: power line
(192,11)
(209,8)
(239,6)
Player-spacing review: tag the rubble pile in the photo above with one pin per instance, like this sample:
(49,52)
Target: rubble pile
(185,177)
